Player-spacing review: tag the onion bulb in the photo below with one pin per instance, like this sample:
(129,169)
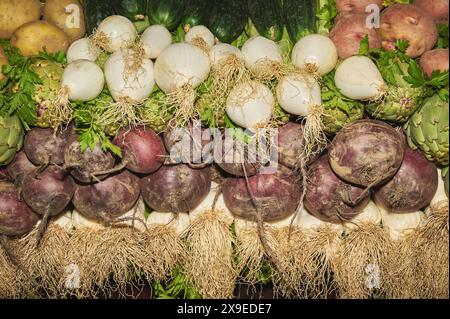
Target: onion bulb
(440,194)
(260,53)
(200,36)
(179,222)
(358,78)
(222,51)
(315,52)
(370,214)
(115,33)
(180,64)
(82,80)
(83,49)
(400,225)
(250,105)
(128,81)
(298,94)
(155,39)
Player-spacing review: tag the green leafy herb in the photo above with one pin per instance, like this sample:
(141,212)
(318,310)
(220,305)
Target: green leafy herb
(177,287)
(442,42)
(364,48)
(326,14)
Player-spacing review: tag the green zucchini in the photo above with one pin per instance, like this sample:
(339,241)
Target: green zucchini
(195,13)
(300,18)
(135,10)
(266,15)
(227,19)
(95,11)
(166,12)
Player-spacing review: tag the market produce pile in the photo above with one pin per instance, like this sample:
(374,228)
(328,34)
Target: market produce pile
(194,145)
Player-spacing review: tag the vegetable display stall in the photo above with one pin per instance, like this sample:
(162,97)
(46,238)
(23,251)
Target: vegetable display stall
(197,145)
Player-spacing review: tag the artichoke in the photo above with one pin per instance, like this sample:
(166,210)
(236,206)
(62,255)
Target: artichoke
(46,93)
(338,109)
(402,99)
(428,130)
(11,138)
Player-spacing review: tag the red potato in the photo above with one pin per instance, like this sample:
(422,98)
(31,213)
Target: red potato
(436,9)
(108,199)
(274,196)
(330,198)
(176,188)
(142,149)
(434,60)
(16,218)
(412,188)
(356,6)
(367,153)
(348,33)
(408,22)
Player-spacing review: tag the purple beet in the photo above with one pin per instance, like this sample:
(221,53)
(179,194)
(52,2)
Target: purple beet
(412,188)
(4,175)
(142,149)
(108,199)
(48,192)
(20,167)
(83,165)
(16,218)
(43,146)
(274,196)
(176,188)
(331,199)
(367,153)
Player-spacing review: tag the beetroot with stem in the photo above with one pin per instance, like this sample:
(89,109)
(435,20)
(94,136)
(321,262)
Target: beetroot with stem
(331,199)
(20,167)
(189,145)
(142,149)
(16,218)
(271,196)
(412,188)
(84,166)
(367,153)
(48,193)
(176,188)
(44,146)
(108,199)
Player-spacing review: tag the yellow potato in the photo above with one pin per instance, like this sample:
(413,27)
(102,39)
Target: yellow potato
(14,13)
(67,15)
(3,61)
(35,36)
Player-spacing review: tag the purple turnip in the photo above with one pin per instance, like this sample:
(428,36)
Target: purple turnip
(367,153)
(189,145)
(85,166)
(142,149)
(16,218)
(272,196)
(20,167)
(108,199)
(331,199)
(176,188)
(43,146)
(412,188)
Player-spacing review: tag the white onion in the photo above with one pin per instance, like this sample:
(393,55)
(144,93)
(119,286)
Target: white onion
(358,78)
(370,214)
(137,86)
(221,51)
(400,225)
(317,50)
(202,32)
(440,193)
(155,39)
(259,50)
(250,105)
(307,221)
(180,64)
(119,31)
(83,79)
(179,222)
(79,221)
(297,94)
(83,49)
